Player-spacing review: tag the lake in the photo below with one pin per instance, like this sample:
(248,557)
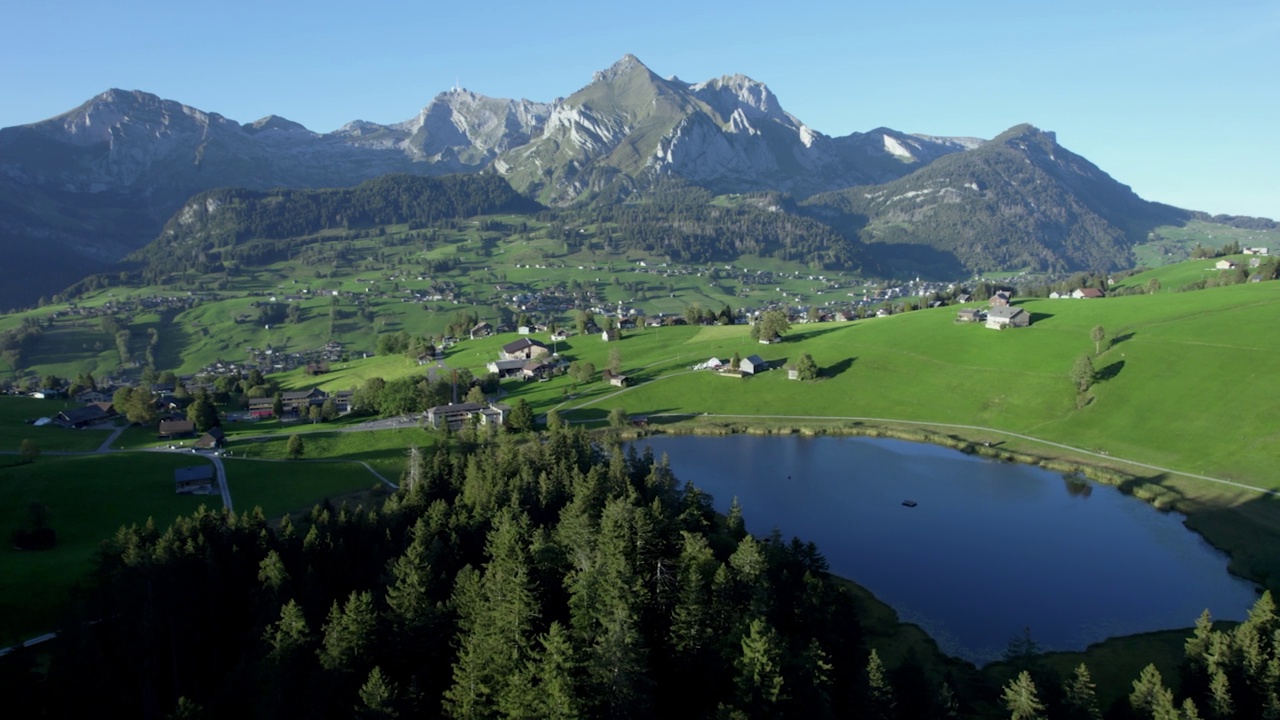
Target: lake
(989,549)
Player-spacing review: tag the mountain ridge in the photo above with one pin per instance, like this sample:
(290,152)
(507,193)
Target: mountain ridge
(86,187)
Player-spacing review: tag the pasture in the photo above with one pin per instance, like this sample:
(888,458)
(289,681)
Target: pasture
(87,498)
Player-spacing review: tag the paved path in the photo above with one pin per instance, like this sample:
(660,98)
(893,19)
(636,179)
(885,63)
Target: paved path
(106,444)
(222,480)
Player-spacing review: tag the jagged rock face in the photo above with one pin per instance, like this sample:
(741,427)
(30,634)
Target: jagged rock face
(729,134)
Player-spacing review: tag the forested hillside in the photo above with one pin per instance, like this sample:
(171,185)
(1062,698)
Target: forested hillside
(684,223)
(220,219)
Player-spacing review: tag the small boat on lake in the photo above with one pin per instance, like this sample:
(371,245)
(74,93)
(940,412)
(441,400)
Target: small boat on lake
(909,503)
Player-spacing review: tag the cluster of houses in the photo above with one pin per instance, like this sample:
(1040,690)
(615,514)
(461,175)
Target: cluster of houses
(269,360)
(127,306)
(1001,314)
(524,358)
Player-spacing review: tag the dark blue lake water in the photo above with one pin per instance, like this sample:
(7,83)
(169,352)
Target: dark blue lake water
(990,548)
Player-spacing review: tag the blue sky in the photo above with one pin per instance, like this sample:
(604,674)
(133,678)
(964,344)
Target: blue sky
(1176,99)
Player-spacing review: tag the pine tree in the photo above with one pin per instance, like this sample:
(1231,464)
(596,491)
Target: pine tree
(349,633)
(1196,648)
(1150,698)
(880,700)
(288,636)
(1021,700)
(377,697)
(1220,701)
(407,596)
(1082,696)
(759,673)
(497,611)
(271,571)
(521,419)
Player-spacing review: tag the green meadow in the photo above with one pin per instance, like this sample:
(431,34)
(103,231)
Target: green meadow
(14,428)
(88,498)
(1183,376)
(279,488)
(1173,278)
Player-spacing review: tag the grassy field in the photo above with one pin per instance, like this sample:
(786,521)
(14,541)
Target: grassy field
(1200,414)
(1175,277)
(282,487)
(16,411)
(383,450)
(88,499)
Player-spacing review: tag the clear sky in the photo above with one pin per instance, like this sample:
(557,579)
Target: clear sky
(1180,99)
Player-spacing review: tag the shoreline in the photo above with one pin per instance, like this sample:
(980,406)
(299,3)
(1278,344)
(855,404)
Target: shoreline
(1255,559)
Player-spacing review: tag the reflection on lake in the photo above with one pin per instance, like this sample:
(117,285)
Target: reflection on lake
(989,549)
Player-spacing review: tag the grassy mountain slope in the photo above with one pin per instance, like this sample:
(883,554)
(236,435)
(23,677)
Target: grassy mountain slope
(1203,413)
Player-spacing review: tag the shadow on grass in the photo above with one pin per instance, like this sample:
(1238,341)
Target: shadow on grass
(829,328)
(837,368)
(1123,337)
(1038,316)
(1110,371)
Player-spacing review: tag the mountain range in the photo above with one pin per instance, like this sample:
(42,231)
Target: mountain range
(81,190)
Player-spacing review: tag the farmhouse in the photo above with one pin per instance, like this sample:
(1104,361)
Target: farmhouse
(506,368)
(969,315)
(1088,294)
(619,380)
(212,439)
(752,365)
(524,349)
(1255,251)
(176,428)
(83,416)
(533,369)
(1225,265)
(195,480)
(998,318)
(483,329)
(1001,299)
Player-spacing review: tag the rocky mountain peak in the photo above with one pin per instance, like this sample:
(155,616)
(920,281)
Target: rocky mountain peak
(274,122)
(730,93)
(625,66)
